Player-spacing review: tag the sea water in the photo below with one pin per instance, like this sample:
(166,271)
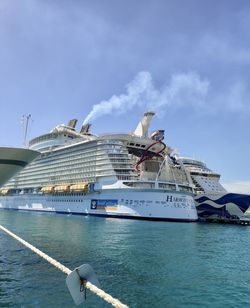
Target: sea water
(142,263)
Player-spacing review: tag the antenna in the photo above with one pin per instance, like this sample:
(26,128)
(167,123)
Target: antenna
(26,119)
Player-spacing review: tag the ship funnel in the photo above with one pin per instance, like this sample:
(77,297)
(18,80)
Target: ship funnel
(142,128)
(72,123)
(85,129)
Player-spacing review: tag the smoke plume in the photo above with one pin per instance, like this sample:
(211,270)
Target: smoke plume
(182,89)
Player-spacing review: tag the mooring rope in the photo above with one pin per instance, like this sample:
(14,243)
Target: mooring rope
(97,291)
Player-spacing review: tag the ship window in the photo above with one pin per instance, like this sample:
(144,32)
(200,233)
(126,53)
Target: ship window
(137,145)
(132,144)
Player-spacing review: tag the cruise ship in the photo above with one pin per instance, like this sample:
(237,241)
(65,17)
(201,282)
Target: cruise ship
(213,202)
(115,175)
(12,160)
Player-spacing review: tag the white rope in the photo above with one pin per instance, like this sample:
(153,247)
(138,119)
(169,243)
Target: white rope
(99,292)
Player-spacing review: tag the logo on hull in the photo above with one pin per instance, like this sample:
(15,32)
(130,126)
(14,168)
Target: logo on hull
(104,204)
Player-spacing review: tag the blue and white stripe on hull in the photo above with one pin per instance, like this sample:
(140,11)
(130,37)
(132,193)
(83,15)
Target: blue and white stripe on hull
(222,206)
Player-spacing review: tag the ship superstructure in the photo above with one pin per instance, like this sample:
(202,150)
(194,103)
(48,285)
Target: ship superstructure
(213,202)
(123,175)
(205,180)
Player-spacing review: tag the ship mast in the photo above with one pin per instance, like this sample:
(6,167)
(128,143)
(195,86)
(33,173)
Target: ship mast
(26,119)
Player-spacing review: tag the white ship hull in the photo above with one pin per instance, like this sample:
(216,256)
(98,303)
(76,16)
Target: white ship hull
(140,204)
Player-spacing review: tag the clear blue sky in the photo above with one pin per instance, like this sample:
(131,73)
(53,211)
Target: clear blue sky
(187,60)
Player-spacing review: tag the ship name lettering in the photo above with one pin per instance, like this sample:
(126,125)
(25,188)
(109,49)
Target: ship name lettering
(177,199)
(169,199)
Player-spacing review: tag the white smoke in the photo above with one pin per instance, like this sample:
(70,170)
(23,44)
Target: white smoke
(183,89)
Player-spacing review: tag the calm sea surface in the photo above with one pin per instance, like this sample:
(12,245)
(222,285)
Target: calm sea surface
(143,263)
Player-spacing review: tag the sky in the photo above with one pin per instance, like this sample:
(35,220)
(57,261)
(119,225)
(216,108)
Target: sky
(109,61)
